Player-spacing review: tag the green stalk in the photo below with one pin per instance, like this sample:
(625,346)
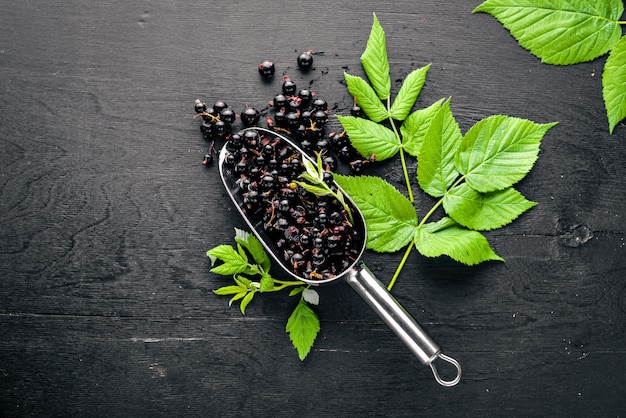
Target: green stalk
(401,265)
(402,159)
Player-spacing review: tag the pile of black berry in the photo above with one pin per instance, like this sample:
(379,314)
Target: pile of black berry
(312,235)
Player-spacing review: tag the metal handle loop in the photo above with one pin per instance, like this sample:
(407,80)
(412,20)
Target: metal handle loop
(447,383)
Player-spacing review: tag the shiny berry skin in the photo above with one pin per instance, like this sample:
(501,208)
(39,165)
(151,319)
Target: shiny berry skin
(250,116)
(289,87)
(280,101)
(208,159)
(305,95)
(320,104)
(227,115)
(267,69)
(356,111)
(305,60)
(219,106)
(199,106)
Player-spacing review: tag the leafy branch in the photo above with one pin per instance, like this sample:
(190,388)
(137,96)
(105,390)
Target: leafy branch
(567,32)
(471,175)
(319,182)
(303,324)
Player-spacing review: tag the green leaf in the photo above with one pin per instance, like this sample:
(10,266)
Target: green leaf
(296,290)
(316,190)
(366,98)
(614,84)
(370,138)
(447,237)
(233,261)
(499,151)
(390,217)
(411,88)
(484,211)
(227,290)
(302,327)
(245,301)
(415,127)
(255,248)
(238,296)
(266,282)
(560,32)
(435,169)
(375,62)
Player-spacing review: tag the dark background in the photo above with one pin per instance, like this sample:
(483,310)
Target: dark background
(106,303)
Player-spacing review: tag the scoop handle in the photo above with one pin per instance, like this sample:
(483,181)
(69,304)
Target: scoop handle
(400,321)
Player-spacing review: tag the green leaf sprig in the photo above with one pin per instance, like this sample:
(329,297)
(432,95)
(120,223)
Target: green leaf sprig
(472,175)
(315,182)
(566,32)
(303,324)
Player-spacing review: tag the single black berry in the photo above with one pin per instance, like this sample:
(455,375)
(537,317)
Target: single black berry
(305,60)
(267,69)
(250,116)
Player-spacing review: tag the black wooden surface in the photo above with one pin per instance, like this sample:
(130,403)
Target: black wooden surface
(106,303)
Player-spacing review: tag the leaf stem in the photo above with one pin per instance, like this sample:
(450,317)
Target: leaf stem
(283,284)
(401,265)
(402,159)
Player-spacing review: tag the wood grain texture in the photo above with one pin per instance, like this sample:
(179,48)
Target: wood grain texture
(106,303)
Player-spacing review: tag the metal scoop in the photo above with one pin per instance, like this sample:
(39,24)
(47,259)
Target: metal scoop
(357,275)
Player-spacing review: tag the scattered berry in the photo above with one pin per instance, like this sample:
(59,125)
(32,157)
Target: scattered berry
(305,60)
(267,69)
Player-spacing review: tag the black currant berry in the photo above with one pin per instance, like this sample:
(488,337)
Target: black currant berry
(227,115)
(267,69)
(289,87)
(199,106)
(280,102)
(219,106)
(305,60)
(250,116)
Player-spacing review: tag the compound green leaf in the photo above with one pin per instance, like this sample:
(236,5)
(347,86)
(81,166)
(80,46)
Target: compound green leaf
(446,237)
(415,127)
(435,168)
(366,98)
(369,137)
(390,217)
(614,84)
(499,151)
(411,88)
(375,62)
(560,32)
(302,327)
(484,211)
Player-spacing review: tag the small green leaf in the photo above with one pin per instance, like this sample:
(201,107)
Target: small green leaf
(316,190)
(614,84)
(415,127)
(238,296)
(375,62)
(390,217)
(302,327)
(233,261)
(560,32)
(499,151)
(435,169)
(266,282)
(254,246)
(366,98)
(447,237)
(484,211)
(245,301)
(227,290)
(370,138)
(411,88)
(296,290)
